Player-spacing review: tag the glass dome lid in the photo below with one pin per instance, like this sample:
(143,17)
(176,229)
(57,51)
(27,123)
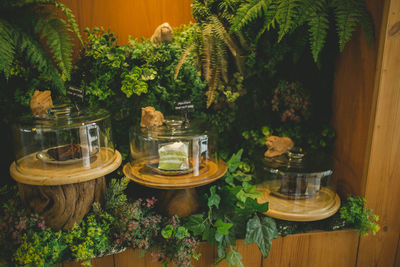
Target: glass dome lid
(63,116)
(296,161)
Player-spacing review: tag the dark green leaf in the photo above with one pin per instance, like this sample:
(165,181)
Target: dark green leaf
(214,198)
(181,232)
(234,161)
(234,258)
(195,223)
(262,232)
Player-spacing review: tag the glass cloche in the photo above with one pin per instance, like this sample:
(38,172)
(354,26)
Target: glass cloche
(64,142)
(298,186)
(178,147)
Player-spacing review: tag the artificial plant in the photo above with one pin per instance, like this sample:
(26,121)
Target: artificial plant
(36,48)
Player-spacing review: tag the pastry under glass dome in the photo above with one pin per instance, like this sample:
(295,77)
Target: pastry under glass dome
(177,147)
(65,141)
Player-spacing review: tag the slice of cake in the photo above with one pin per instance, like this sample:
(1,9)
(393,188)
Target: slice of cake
(173,156)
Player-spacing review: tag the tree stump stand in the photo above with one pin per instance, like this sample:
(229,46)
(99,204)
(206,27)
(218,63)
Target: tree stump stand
(63,195)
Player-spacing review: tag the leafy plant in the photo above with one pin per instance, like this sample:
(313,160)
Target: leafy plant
(356,214)
(233,213)
(288,15)
(25,25)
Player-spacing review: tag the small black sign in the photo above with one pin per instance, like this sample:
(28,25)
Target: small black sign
(76,94)
(184,106)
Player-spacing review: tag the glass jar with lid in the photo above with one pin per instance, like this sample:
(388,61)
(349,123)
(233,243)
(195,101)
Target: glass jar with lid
(177,147)
(64,143)
(298,185)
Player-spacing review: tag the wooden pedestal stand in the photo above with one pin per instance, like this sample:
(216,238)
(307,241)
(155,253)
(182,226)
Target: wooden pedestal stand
(180,198)
(63,194)
(323,205)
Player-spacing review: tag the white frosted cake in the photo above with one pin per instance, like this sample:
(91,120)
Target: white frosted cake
(173,156)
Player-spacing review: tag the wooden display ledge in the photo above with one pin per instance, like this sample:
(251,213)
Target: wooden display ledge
(33,171)
(316,249)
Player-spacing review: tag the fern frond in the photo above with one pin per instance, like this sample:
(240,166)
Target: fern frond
(59,42)
(207,51)
(348,14)
(183,58)
(247,13)
(71,19)
(286,16)
(319,25)
(7,48)
(65,10)
(222,34)
(36,56)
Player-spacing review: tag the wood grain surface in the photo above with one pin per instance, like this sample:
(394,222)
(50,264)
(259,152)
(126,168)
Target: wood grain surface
(327,249)
(353,106)
(136,18)
(33,171)
(323,205)
(142,174)
(383,177)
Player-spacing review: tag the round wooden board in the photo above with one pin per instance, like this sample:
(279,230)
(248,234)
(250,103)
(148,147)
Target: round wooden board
(33,171)
(141,174)
(319,207)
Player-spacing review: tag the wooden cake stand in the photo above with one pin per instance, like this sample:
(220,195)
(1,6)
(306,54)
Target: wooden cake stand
(180,198)
(63,193)
(318,207)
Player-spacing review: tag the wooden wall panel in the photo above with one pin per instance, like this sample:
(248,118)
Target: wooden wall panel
(328,249)
(353,106)
(137,18)
(383,180)
(107,261)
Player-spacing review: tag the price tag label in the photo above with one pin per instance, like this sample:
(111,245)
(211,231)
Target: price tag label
(184,106)
(76,94)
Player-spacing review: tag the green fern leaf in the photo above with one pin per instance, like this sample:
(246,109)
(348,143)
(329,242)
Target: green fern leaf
(59,42)
(7,48)
(36,56)
(71,19)
(348,14)
(319,25)
(286,17)
(247,13)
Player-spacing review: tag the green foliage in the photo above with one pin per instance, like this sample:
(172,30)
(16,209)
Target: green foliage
(289,15)
(25,23)
(39,249)
(36,50)
(231,205)
(356,214)
(261,232)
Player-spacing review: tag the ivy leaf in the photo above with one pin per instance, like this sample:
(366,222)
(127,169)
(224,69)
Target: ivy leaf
(262,232)
(222,227)
(234,161)
(253,206)
(167,231)
(234,258)
(223,242)
(209,235)
(181,232)
(214,198)
(195,223)
(229,179)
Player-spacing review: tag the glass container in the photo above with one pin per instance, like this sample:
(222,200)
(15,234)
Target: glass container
(298,186)
(63,141)
(178,147)
(298,175)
